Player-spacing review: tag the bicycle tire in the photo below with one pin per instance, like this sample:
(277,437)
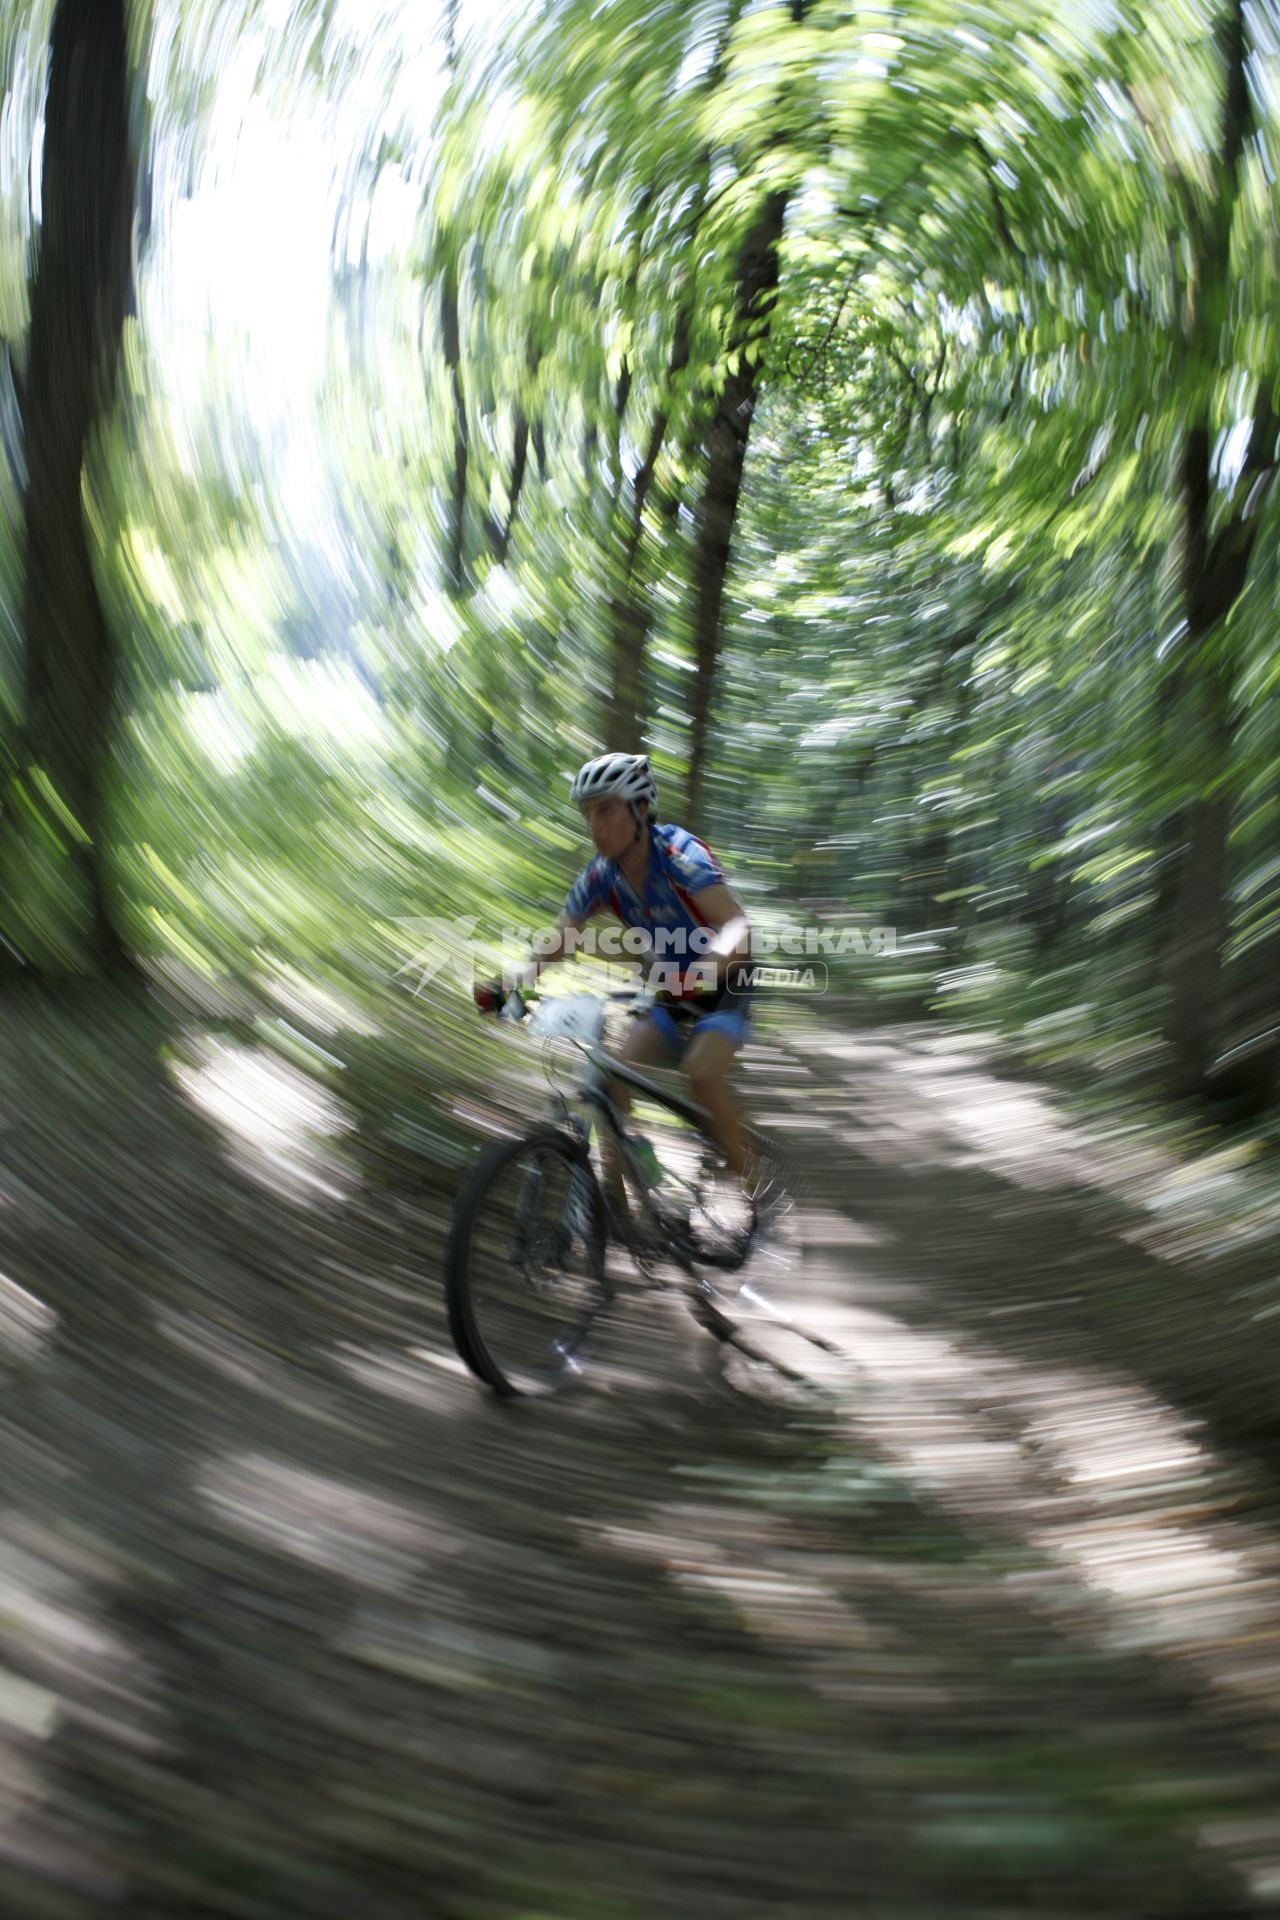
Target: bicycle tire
(553,1360)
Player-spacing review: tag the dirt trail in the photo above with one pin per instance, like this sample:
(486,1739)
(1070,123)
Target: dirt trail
(295,1620)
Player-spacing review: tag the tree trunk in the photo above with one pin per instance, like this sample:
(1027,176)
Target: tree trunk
(519,465)
(628,610)
(1202,729)
(1214,572)
(451,338)
(629,606)
(1048,887)
(933,856)
(455,543)
(501,533)
(1198,718)
(1246,1073)
(627,620)
(79,295)
(1198,935)
(726,453)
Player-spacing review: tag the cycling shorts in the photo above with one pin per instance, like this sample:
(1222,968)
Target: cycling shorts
(719,1012)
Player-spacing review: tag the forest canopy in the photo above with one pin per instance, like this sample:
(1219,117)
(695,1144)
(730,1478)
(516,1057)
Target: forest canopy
(867,411)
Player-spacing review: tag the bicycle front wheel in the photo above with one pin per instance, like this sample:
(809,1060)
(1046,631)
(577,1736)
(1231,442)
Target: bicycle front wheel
(524,1273)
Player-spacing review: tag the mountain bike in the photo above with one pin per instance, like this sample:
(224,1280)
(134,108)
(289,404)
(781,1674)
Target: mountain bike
(528,1274)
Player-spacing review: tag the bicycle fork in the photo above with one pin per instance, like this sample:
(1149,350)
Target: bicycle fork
(528,1201)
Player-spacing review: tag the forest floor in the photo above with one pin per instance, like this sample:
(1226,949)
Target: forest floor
(296,1620)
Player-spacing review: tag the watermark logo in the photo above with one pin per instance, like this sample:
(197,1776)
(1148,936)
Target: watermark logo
(440,946)
(792,958)
(811,979)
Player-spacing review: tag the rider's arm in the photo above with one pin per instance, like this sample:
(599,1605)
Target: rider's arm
(585,897)
(729,926)
(554,945)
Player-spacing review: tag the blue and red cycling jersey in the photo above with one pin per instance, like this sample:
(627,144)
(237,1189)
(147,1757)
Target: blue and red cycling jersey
(680,868)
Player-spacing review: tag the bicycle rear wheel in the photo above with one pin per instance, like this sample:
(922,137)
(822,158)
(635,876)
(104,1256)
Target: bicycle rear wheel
(524,1272)
(732,1225)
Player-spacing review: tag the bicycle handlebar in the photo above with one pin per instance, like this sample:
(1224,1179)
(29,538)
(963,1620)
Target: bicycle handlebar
(520,996)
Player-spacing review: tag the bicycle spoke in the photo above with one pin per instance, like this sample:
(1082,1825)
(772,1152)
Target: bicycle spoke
(526,1273)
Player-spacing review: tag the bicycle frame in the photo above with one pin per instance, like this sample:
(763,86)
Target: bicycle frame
(609,1067)
(596,1069)
(568,1240)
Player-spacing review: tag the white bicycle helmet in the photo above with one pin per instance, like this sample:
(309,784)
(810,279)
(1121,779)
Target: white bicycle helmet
(624,776)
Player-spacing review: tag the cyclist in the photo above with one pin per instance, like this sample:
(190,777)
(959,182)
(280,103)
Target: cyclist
(666,882)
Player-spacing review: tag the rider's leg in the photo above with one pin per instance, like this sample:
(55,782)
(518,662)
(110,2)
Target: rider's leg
(648,1044)
(707,1061)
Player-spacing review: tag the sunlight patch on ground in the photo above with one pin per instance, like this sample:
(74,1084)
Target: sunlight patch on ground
(60,1666)
(333,1524)
(232,1355)
(1147,1533)
(930,1102)
(1100,1478)
(1110,1486)
(273,1119)
(417,1375)
(842,1656)
(26,1324)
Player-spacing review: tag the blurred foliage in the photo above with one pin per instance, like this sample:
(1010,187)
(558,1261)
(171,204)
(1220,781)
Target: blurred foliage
(398,513)
(961,687)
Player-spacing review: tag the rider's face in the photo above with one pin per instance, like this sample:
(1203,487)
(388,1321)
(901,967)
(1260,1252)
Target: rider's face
(611,825)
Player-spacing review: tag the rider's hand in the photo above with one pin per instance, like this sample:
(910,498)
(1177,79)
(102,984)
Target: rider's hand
(489,997)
